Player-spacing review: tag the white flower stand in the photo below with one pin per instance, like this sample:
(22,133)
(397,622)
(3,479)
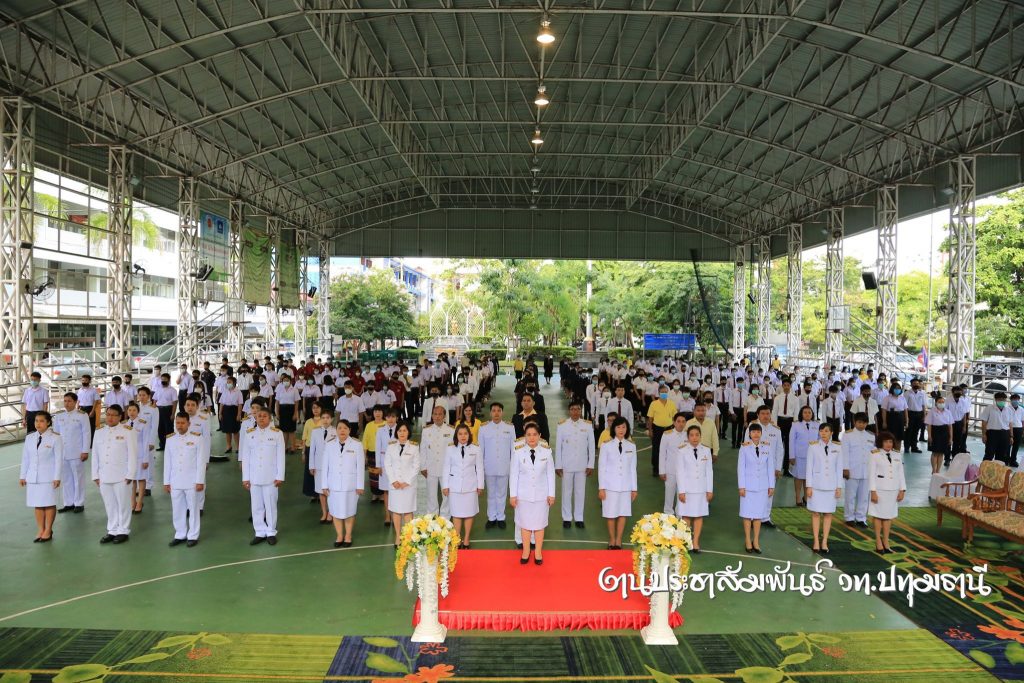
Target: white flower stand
(658,632)
(429,630)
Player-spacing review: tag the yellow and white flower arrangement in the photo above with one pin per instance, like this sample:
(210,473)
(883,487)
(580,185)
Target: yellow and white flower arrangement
(434,538)
(661,536)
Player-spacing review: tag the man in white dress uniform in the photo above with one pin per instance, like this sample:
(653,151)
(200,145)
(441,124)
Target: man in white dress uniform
(262,475)
(574,462)
(184,477)
(434,442)
(114,463)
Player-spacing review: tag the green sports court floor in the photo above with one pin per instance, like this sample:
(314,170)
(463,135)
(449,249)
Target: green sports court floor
(303,610)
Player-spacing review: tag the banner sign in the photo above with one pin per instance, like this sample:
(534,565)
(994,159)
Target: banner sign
(214,246)
(670,342)
(288,263)
(255,267)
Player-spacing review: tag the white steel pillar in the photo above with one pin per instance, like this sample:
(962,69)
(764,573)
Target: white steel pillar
(17,159)
(188,265)
(834,283)
(272,333)
(795,302)
(323,318)
(235,305)
(301,317)
(739,301)
(963,251)
(764,291)
(887,218)
(119,269)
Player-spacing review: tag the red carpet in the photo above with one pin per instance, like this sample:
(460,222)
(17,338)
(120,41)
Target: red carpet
(490,590)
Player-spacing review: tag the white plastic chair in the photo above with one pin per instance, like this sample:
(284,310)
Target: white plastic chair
(956,471)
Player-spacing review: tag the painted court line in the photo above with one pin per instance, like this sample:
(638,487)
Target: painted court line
(144,582)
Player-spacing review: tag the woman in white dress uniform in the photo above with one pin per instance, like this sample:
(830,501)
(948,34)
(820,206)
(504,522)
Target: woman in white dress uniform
(462,481)
(824,483)
(616,480)
(42,459)
(146,442)
(694,482)
(317,441)
(532,489)
(888,485)
(755,472)
(402,464)
(801,434)
(342,475)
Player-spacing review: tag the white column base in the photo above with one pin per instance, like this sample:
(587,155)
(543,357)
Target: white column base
(658,636)
(658,632)
(429,630)
(425,633)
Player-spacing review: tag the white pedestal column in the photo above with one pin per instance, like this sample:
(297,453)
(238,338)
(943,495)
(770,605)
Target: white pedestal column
(658,632)
(429,630)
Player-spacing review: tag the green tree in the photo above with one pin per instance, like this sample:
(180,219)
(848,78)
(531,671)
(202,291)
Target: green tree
(1000,274)
(371,307)
(508,298)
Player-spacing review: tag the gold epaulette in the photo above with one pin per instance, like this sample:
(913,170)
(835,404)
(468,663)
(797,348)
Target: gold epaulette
(196,433)
(414,443)
(520,444)
(747,443)
(250,430)
(544,443)
(813,443)
(128,427)
(392,441)
(588,422)
(565,420)
(275,429)
(876,450)
(837,441)
(204,417)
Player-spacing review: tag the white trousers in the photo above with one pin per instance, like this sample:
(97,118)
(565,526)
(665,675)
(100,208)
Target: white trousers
(574,486)
(117,499)
(771,501)
(264,509)
(858,496)
(497,496)
(185,513)
(671,496)
(433,491)
(72,486)
(149,470)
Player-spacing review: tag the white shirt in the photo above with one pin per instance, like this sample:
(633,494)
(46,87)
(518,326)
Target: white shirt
(856,449)
(73,428)
(36,398)
(574,446)
(996,418)
(264,456)
(114,454)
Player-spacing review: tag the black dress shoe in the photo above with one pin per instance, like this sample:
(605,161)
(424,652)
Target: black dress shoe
(192,543)
(695,551)
(850,522)
(272,540)
(863,524)
(136,512)
(346,544)
(566,525)
(66,508)
(757,550)
(257,540)
(519,546)
(770,524)
(149,492)
(176,541)
(120,538)
(338,544)
(79,508)
(749,550)
(107,538)
(46,540)
(824,551)
(580,525)
(37,539)
(538,560)
(501,524)
(490,524)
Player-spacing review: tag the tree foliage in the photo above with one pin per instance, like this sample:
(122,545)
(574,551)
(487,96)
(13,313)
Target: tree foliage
(1000,274)
(371,307)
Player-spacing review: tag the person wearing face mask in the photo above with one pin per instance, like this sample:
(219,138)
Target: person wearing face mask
(832,410)
(166,400)
(262,475)
(894,413)
(752,404)
(36,399)
(287,409)
(857,446)
(660,416)
(207,377)
(916,398)
(433,398)
(1016,427)
(349,407)
(87,398)
(939,422)
(310,394)
(960,407)
(116,396)
(996,424)
(888,487)
(722,395)
(737,401)
(229,409)
(185,384)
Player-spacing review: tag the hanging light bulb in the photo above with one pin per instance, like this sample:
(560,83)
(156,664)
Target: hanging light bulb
(537,139)
(534,189)
(545,37)
(542,97)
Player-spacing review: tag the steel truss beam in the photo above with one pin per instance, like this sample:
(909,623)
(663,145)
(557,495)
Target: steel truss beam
(731,58)
(887,217)
(301,315)
(17,169)
(272,332)
(795,298)
(739,300)
(963,252)
(834,282)
(323,298)
(764,290)
(188,266)
(344,42)
(235,306)
(119,268)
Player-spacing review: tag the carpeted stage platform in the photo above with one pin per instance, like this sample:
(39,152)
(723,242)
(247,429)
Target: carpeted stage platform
(490,590)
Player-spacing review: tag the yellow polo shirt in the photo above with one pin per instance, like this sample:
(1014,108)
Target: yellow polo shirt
(661,414)
(605,437)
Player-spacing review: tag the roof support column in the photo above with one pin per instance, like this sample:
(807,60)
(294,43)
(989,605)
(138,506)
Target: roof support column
(739,301)
(764,295)
(235,306)
(17,159)
(323,319)
(188,265)
(301,315)
(272,332)
(795,299)
(963,235)
(119,269)
(834,285)
(887,217)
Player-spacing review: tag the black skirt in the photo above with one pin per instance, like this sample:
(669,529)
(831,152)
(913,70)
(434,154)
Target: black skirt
(286,421)
(940,442)
(229,423)
(895,423)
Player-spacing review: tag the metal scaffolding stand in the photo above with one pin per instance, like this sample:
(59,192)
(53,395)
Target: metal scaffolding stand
(887,218)
(834,284)
(235,306)
(963,250)
(323,319)
(272,333)
(301,315)
(795,300)
(119,269)
(188,266)
(739,301)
